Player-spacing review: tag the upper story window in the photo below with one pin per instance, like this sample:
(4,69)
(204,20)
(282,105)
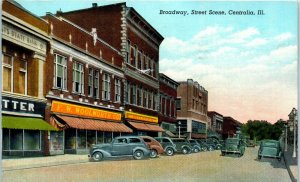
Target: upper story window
(91,82)
(134,94)
(78,77)
(133,58)
(7,79)
(178,104)
(22,80)
(96,84)
(136,56)
(150,97)
(140,62)
(60,71)
(145,99)
(139,96)
(127,92)
(106,87)
(128,53)
(117,90)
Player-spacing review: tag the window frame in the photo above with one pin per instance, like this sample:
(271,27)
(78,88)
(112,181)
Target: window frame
(64,78)
(106,80)
(117,90)
(80,70)
(11,67)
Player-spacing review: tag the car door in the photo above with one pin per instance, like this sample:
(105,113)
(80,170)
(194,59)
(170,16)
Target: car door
(133,143)
(120,147)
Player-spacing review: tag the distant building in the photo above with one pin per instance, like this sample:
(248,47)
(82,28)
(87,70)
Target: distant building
(230,126)
(216,128)
(192,104)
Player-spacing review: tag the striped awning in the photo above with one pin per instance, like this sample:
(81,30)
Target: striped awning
(146,127)
(94,124)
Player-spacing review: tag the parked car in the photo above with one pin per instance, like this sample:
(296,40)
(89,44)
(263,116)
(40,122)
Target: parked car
(233,145)
(120,146)
(167,144)
(208,145)
(216,144)
(182,145)
(270,148)
(196,147)
(155,147)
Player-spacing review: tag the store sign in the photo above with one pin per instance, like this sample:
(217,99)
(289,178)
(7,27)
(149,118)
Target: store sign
(141,117)
(22,106)
(22,38)
(66,108)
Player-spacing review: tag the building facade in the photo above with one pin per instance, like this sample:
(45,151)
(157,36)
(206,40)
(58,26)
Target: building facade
(230,127)
(84,90)
(192,107)
(138,42)
(216,123)
(167,107)
(24,49)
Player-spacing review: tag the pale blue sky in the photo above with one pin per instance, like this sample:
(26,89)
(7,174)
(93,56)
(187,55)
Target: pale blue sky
(247,63)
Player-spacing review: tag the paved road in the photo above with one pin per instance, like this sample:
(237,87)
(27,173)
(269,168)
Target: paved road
(205,166)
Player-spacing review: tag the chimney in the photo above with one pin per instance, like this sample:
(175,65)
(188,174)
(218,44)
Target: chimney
(94,5)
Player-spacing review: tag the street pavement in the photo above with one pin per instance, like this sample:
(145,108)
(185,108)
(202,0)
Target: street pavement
(203,166)
(291,163)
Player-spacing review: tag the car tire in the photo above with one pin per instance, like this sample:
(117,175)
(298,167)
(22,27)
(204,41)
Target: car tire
(169,151)
(185,150)
(196,150)
(97,156)
(223,153)
(153,153)
(204,149)
(210,148)
(138,155)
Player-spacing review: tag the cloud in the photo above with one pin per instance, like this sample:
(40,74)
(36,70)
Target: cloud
(242,69)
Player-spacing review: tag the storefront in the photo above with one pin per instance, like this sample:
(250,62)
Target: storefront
(82,126)
(143,124)
(23,127)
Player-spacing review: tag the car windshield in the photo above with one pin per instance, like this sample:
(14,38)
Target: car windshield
(232,141)
(269,144)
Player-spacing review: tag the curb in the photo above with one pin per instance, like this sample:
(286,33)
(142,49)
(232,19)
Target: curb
(289,170)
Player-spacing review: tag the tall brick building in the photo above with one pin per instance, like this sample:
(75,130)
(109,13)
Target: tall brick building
(128,32)
(192,105)
(167,107)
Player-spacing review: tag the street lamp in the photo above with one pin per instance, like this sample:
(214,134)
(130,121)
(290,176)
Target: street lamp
(295,117)
(179,123)
(285,143)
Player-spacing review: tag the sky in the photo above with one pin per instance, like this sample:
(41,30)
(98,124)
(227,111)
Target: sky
(247,63)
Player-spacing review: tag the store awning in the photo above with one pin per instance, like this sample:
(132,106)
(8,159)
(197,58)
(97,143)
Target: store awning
(93,124)
(26,123)
(198,136)
(146,127)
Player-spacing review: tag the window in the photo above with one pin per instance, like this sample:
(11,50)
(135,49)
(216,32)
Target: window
(117,90)
(78,77)
(145,99)
(7,79)
(60,72)
(150,96)
(90,84)
(106,87)
(128,52)
(154,102)
(140,61)
(127,93)
(22,85)
(178,104)
(136,56)
(165,106)
(134,140)
(133,94)
(96,84)
(139,96)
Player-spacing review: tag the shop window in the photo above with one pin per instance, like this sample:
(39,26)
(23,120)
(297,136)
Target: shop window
(7,79)
(96,84)
(81,139)
(90,82)
(16,139)
(32,140)
(60,72)
(70,139)
(91,138)
(117,90)
(5,139)
(100,137)
(78,78)
(107,137)
(56,140)
(106,87)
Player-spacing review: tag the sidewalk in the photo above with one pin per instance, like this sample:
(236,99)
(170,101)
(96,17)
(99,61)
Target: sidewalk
(291,163)
(34,162)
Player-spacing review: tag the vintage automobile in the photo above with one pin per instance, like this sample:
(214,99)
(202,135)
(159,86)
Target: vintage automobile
(182,145)
(206,146)
(120,146)
(270,148)
(233,145)
(215,143)
(196,146)
(155,147)
(167,144)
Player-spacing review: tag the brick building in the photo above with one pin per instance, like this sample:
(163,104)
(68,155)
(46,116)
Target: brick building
(84,90)
(230,126)
(192,105)
(24,48)
(128,32)
(216,123)
(167,107)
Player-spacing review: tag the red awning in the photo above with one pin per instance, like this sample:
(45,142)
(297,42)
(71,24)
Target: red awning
(93,124)
(146,127)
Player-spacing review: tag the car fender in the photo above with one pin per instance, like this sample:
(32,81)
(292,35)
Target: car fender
(169,146)
(158,149)
(146,151)
(105,153)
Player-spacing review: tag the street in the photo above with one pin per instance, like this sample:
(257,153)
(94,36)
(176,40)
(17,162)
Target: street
(203,166)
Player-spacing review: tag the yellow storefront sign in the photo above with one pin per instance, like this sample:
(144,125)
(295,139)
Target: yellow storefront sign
(141,117)
(66,108)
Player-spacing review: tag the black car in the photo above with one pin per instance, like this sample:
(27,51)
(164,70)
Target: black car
(120,146)
(182,145)
(167,144)
(207,146)
(196,146)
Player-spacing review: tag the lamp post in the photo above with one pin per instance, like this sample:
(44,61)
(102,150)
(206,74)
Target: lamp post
(285,143)
(295,117)
(179,123)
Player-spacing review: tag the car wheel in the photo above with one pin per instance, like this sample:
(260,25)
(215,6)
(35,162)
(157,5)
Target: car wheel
(223,153)
(185,150)
(97,156)
(204,149)
(169,151)
(138,154)
(153,153)
(196,150)
(210,148)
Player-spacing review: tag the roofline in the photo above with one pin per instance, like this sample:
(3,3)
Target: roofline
(215,113)
(161,74)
